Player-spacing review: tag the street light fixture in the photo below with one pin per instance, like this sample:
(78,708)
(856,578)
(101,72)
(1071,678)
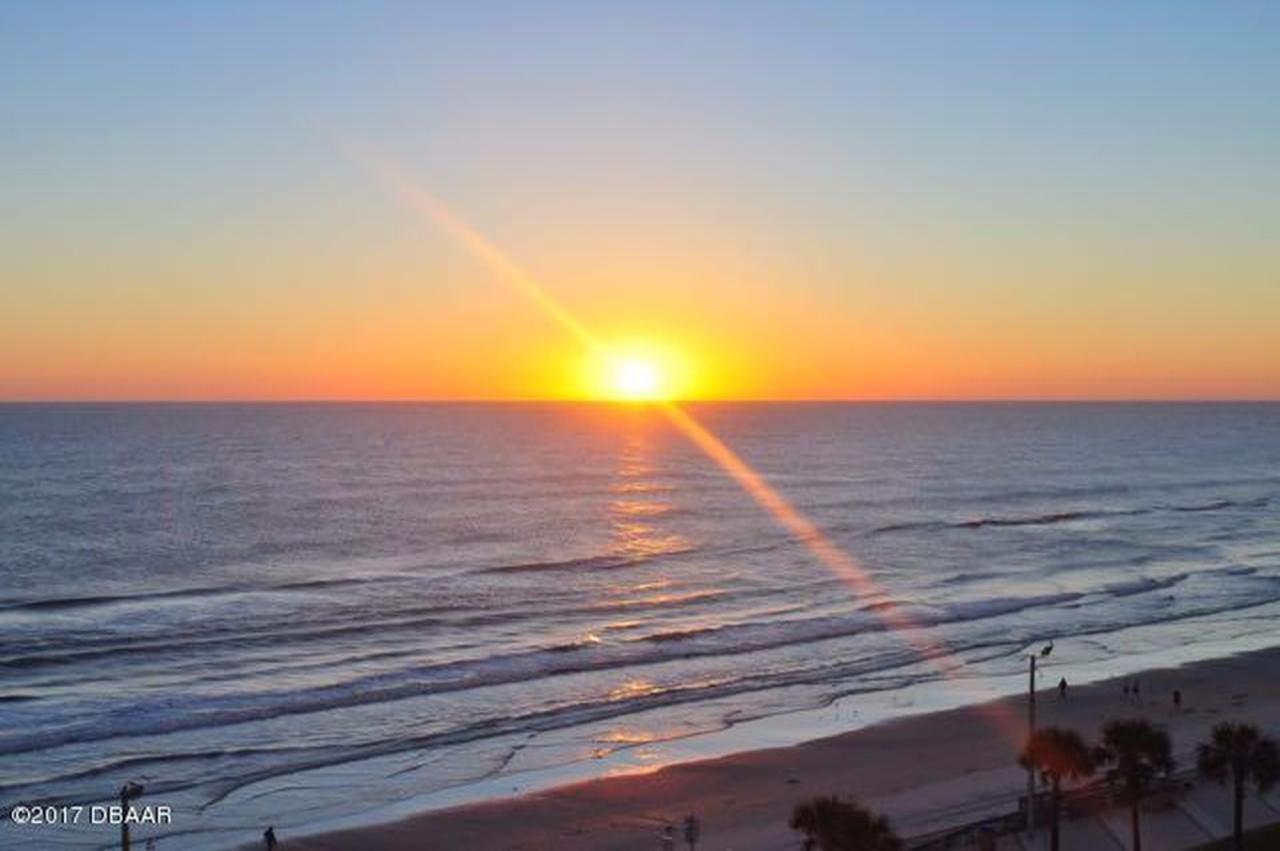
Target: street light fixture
(1031,731)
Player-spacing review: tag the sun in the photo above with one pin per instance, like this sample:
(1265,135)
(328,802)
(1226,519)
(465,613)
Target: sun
(636,371)
(635,379)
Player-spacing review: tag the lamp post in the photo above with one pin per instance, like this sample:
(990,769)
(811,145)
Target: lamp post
(128,792)
(1031,731)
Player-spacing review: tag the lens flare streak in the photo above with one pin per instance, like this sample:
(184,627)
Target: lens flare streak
(827,552)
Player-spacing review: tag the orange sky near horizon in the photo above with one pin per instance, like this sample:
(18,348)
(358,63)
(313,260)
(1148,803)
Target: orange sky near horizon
(500,356)
(414,317)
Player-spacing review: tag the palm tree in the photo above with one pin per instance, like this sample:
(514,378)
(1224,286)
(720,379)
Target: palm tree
(1057,753)
(830,824)
(1137,751)
(1239,753)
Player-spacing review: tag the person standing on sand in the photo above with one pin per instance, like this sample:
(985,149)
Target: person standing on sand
(269,837)
(668,838)
(1062,689)
(1137,693)
(1177,700)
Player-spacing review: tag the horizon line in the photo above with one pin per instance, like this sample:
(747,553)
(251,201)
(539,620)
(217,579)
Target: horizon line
(817,400)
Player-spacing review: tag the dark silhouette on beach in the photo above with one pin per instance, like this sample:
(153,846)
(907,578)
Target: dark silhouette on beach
(269,837)
(1062,689)
(830,824)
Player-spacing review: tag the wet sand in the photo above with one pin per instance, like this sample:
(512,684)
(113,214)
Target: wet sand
(925,772)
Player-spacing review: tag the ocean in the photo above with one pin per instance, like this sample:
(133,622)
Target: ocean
(309,615)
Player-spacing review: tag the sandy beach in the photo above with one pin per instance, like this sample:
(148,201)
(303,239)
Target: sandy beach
(925,772)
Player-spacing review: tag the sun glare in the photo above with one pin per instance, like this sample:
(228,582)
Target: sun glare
(636,371)
(637,380)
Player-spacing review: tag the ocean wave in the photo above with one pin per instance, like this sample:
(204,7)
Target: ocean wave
(1143,585)
(661,600)
(1218,505)
(1066,516)
(76,648)
(854,676)
(583,712)
(602,562)
(137,717)
(1048,519)
(1122,489)
(1041,519)
(150,761)
(93,601)
(596,562)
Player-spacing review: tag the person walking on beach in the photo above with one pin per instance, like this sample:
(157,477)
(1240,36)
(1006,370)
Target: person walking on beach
(1177,700)
(1137,693)
(269,837)
(1062,689)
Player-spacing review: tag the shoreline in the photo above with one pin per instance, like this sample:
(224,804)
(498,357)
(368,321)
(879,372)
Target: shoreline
(926,771)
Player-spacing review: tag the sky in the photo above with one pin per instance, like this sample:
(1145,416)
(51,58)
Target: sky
(782,200)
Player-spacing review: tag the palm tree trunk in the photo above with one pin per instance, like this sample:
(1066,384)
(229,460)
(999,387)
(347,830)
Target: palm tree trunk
(1238,823)
(1055,807)
(1134,827)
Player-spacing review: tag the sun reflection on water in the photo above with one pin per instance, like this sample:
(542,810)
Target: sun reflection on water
(635,536)
(640,507)
(634,687)
(655,600)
